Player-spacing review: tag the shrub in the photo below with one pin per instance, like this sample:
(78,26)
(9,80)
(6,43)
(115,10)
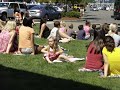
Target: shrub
(71,14)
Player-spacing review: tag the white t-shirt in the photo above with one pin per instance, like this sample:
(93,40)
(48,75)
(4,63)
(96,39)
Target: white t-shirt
(53,32)
(116,39)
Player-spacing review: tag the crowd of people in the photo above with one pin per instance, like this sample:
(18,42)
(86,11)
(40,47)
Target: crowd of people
(102,52)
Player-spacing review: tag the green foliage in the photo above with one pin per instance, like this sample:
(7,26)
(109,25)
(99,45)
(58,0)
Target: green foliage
(71,14)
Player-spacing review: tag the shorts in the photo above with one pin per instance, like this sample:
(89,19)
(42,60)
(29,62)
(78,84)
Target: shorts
(26,50)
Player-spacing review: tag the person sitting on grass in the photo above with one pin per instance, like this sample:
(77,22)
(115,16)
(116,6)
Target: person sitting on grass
(63,27)
(94,58)
(70,31)
(104,30)
(44,31)
(53,52)
(26,40)
(81,33)
(61,36)
(93,32)
(17,14)
(111,55)
(7,38)
(86,28)
(113,29)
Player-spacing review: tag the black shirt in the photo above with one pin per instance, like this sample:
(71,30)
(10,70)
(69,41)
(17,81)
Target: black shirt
(16,10)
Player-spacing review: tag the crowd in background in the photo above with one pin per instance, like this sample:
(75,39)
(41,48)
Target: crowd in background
(102,52)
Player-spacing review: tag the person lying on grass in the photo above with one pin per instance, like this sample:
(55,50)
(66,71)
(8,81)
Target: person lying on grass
(54,52)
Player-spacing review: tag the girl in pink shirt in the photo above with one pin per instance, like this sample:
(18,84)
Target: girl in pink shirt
(63,27)
(53,52)
(86,28)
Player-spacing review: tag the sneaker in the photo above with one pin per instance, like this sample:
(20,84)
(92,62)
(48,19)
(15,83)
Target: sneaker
(84,70)
(76,59)
(36,36)
(57,61)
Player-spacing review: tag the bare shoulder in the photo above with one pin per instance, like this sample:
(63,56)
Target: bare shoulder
(44,25)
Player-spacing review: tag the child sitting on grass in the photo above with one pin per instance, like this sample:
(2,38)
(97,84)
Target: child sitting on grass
(53,52)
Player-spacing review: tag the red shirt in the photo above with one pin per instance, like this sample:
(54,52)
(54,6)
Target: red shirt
(93,60)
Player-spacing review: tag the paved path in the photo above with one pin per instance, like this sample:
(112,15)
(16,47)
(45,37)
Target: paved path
(95,17)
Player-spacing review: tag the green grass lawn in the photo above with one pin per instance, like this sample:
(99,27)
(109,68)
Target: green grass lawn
(34,73)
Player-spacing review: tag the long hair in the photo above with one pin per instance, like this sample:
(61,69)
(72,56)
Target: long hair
(55,46)
(2,24)
(113,27)
(42,20)
(105,28)
(10,26)
(98,45)
(109,43)
(63,23)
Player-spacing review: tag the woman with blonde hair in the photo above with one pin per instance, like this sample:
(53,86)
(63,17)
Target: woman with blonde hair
(7,37)
(63,31)
(54,53)
(63,27)
(2,24)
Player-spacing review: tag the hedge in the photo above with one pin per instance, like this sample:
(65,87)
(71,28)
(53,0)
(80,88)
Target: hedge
(71,14)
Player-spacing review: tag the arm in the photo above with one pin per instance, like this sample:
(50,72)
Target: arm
(106,65)
(12,35)
(60,51)
(45,50)
(64,35)
(20,16)
(66,30)
(19,50)
(32,40)
(42,29)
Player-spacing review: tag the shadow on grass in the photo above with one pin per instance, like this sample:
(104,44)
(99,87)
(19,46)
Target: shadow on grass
(13,79)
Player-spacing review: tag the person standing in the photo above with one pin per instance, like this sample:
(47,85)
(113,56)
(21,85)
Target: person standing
(81,11)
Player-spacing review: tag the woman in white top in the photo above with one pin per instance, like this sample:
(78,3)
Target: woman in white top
(113,33)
